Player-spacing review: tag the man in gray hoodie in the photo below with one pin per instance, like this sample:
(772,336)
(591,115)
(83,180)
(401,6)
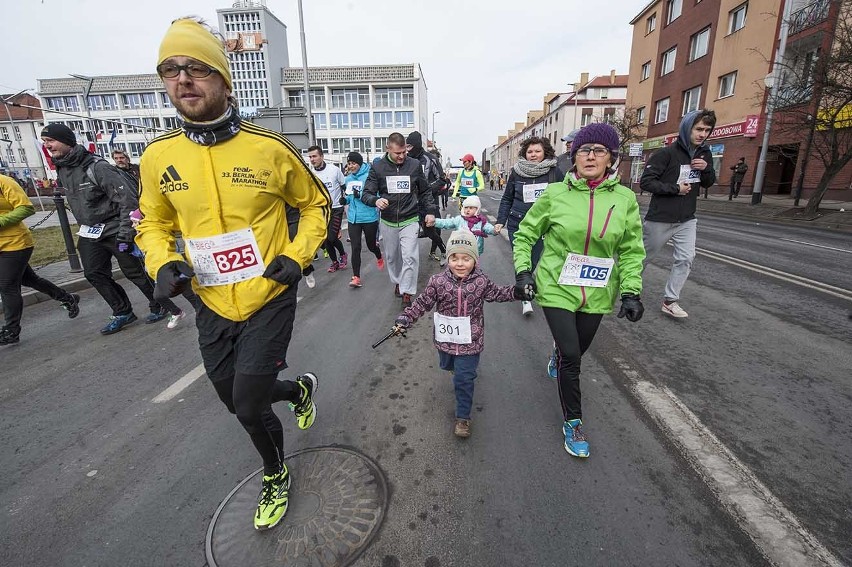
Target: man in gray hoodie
(674,176)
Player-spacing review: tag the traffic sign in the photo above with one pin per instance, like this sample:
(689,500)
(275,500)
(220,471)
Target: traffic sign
(636,149)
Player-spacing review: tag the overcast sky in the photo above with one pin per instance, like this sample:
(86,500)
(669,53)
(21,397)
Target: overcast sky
(486,62)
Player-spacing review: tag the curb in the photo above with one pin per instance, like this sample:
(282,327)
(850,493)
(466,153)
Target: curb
(822,222)
(77,284)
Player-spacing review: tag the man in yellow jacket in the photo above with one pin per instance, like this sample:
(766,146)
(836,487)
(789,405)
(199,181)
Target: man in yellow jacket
(224,185)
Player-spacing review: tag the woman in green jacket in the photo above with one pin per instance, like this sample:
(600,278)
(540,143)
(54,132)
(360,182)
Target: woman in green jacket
(592,252)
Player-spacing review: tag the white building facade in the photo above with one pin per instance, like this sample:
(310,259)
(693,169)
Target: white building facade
(256,42)
(127,110)
(357,108)
(20,129)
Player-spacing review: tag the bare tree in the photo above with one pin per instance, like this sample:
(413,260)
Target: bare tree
(630,129)
(815,94)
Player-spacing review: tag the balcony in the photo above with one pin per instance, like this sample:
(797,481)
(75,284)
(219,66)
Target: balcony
(792,95)
(813,14)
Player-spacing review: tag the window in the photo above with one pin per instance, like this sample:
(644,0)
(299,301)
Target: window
(403,119)
(395,97)
(640,115)
(323,143)
(320,121)
(4,132)
(651,23)
(341,145)
(10,155)
(164,100)
(360,119)
(170,122)
(131,101)
(136,148)
(339,120)
(136,125)
(586,117)
(673,10)
(383,120)
(63,103)
(23,154)
(149,100)
(646,71)
(668,62)
(18,133)
(603,94)
(151,123)
(609,115)
(737,17)
(727,83)
(662,112)
(350,98)
(380,143)
(698,44)
(317,98)
(690,99)
(361,145)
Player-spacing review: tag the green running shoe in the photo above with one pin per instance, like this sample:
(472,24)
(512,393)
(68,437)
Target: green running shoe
(305,409)
(273,500)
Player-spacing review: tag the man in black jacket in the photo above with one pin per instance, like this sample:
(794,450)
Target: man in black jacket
(397,187)
(739,172)
(434,174)
(674,176)
(101,199)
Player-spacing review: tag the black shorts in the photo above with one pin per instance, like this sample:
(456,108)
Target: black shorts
(255,346)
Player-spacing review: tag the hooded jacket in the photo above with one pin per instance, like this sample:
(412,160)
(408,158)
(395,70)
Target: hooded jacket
(432,170)
(403,208)
(15,206)
(109,200)
(246,181)
(359,213)
(603,222)
(663,170)
(456,297)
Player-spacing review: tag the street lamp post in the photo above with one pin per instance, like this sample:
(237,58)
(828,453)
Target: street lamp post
(433,125)
(311,137)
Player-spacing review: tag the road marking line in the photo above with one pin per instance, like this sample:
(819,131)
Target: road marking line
(180,385)
(774,529)
(816,245)
(778,274)
(185,381)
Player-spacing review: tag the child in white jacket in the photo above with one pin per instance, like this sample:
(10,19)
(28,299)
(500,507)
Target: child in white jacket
(471,220)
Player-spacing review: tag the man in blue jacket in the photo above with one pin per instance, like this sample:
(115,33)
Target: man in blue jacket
(674,176)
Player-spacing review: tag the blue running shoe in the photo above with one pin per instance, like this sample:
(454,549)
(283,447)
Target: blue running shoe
(552,366)
(118,322)
(575,440)
(153,317)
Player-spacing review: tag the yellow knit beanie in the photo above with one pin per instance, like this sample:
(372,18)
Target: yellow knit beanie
(188,38)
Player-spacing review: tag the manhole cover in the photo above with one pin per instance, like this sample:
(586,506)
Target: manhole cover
(338,500)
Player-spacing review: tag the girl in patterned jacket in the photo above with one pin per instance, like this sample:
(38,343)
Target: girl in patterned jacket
(471,220)
(458,294)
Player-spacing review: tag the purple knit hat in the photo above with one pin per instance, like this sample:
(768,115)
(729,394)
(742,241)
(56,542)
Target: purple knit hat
(596,133)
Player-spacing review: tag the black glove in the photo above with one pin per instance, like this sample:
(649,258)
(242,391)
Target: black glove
(402,321)
(284,270)
(342,199)
(631,307)
(172,279)
(525,288)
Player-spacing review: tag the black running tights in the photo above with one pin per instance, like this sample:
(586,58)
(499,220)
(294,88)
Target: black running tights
(250,398)
(371,231)
(573,333)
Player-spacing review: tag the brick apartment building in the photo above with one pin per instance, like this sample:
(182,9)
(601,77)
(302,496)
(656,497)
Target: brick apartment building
(707,54)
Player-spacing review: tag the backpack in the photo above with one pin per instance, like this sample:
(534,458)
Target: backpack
(126,175)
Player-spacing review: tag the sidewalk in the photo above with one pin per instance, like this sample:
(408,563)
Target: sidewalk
(833,215)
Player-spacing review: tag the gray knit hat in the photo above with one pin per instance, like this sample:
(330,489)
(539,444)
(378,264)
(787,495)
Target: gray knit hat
(462,242)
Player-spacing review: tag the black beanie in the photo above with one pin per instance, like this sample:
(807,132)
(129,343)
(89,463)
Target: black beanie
(60,133)
(415,139)
(355,157)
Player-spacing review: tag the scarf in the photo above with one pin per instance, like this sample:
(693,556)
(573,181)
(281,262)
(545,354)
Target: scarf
(531,169)
(472,221)
(209,133)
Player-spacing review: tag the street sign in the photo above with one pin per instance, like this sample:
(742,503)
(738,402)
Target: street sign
(636,149)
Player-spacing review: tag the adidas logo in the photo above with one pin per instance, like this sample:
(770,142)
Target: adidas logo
(171,181)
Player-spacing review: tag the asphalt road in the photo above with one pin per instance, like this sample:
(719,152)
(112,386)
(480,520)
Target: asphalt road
(95,473)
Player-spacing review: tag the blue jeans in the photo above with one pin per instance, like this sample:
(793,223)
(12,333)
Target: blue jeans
(463,368)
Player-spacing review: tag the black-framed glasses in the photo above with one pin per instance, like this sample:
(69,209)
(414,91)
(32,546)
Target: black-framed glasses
(194,70)
(598,151)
